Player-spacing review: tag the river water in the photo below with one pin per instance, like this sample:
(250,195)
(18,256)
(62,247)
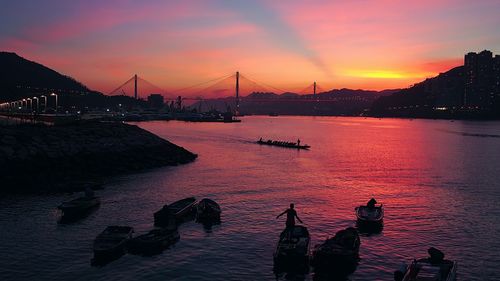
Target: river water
(439,182)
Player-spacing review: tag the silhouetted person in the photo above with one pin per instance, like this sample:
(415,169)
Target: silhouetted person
(260,140)
(371,203)
(291,214)
(298,142)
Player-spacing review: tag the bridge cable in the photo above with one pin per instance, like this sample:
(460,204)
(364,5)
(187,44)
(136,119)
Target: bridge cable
(121,86)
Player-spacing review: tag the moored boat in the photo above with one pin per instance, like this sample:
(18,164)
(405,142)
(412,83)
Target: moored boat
(338,255)
(153,242)
(78,207)
(292,248)
(179,210)
(433,268)
(207,210)
(368,215)
(283,144)
(112,241)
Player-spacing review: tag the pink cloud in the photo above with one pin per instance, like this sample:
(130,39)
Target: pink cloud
(102,18)
(15,44)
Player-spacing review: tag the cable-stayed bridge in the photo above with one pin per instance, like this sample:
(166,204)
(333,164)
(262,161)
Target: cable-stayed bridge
(236,84)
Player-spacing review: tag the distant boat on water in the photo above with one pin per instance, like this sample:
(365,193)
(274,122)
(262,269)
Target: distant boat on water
(283,144)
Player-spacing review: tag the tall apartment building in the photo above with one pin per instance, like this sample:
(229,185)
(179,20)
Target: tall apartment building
(482,79)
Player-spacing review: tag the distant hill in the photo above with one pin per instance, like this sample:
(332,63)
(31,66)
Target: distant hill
(334,102)
(470,91)
(17,73)
(21,78)
(443,91)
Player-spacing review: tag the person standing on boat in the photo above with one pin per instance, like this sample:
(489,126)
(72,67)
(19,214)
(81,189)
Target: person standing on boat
(371,203)
(291,214)
(298,142)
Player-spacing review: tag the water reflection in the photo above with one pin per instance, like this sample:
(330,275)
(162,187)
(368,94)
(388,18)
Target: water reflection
(439,189)
(369,229)
(208,224)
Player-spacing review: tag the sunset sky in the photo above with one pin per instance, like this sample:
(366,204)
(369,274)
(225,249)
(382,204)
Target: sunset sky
(288,44)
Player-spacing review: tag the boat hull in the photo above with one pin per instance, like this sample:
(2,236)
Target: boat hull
(339,255)
(292,250)
(445,271)
(111,244)
(207,211)
(370,220)
(78,208)
(180,211)
(370,216)
(154,242)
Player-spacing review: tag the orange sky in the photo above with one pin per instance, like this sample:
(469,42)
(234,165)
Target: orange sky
(287,44)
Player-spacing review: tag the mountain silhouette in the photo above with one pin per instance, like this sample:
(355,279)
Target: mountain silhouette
(21,78)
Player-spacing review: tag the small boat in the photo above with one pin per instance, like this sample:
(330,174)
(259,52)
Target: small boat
(293,247)
(153,242)
(112,242)
(283,144)
(370,215)
(433,268)
(78,207)
(179,210)
(338,255)
(207,210)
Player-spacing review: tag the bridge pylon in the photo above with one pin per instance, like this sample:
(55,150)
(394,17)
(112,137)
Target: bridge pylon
(237,111)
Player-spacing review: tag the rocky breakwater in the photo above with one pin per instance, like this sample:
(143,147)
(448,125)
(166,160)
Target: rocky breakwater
(36,158)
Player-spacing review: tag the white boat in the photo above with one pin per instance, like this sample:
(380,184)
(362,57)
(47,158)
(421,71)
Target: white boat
(433,268)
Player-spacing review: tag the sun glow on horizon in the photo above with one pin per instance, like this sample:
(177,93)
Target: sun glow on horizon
(389,74)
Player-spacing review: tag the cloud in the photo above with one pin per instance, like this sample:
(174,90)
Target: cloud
(278,30)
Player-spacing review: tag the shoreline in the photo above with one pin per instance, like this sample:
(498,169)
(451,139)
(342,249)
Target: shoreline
(378,117)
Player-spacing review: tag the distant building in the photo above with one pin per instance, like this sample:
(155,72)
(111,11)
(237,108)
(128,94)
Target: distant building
(470,65)
(482,80)
(155,101)
(496,69)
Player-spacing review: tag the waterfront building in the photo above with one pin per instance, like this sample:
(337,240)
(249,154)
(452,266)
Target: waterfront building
(155,101)
(482,77)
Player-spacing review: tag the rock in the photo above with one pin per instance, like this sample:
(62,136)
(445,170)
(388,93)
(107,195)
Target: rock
(56,154)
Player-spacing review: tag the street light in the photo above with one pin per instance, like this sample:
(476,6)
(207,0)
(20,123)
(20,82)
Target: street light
(31,104)
(45,103)
(35,98)
(22,103)
(55,95)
